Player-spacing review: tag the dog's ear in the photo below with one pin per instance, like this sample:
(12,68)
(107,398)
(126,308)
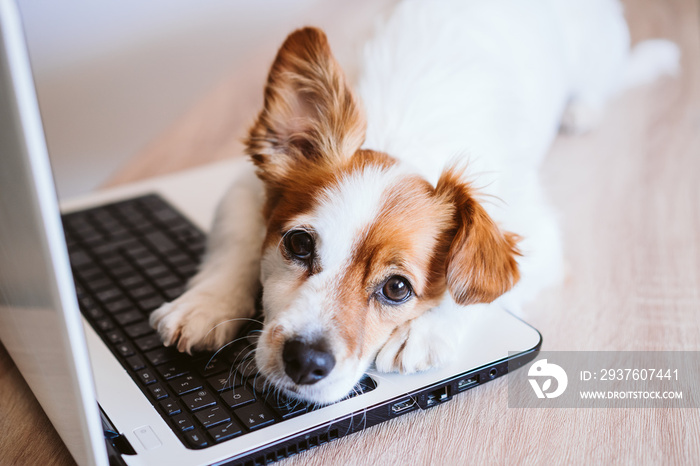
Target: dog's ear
(481,263)
(310,114)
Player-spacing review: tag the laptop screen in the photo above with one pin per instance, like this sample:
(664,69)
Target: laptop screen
(40,325)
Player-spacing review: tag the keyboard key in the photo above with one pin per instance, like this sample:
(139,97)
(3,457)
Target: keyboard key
(185,384)
(132,281)
(139,253)
(225,431)
(166,215)
(157,391)
(125,349)
(104,219)
(152,202)
(160,242)
(106,296)
(134,249)
(237,352)
(146,376)
(261,385)
(79,291)
(225,381)
(156,271)
(138,330)
(150,304)
(248,369)
(105,251)
(183,422)
(167,282)
(90,272)
(238,397)
(149,342)
(170,407)
(146,260)
(93,312)
(195,439)
(114,336)
(98,283)
(122,270)
(255,415)
(212,416)
(198,400)
(179,258)
(135,362)
(212,365)
(186,271)
(288,408)
(172,369)
(104,324)
(128,317)
(144,291)
(173,293)
(79,259)
(161,355)
(118,306)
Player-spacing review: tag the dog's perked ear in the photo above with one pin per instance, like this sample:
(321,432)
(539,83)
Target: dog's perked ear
(481,263)
(310,113)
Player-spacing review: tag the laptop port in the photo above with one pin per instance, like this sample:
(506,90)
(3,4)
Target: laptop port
(493,372)
(468,382)
(403,406)
(437,396)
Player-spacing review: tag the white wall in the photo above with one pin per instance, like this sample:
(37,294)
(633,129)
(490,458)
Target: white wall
(112,74)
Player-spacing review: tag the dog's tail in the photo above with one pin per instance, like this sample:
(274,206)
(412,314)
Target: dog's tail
(650,60)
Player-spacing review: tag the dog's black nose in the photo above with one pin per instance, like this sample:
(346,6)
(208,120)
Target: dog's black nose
(307,363)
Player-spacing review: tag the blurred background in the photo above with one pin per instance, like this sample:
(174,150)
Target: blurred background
(112,76)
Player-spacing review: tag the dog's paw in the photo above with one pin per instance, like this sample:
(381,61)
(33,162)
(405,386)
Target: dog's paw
(414,347)
(197,322)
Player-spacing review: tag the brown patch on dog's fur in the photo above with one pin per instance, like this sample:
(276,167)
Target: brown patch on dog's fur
(399,242)
(481,264)
(310,113)
(297,192)
(309,130)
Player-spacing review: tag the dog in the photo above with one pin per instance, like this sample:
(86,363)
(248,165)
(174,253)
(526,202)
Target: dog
(376,220)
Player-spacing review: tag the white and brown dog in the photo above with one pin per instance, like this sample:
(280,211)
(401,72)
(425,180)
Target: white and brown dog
(369,241)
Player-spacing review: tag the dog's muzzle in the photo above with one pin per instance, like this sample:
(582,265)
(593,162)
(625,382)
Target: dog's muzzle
(307,363)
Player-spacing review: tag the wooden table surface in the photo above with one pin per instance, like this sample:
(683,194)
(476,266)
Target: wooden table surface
(628,195)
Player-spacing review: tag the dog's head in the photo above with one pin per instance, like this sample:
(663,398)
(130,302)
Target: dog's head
(356,244)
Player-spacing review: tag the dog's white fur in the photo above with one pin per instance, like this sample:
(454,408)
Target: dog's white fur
(488,81)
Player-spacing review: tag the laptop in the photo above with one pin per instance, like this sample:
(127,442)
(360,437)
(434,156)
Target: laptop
(77,282)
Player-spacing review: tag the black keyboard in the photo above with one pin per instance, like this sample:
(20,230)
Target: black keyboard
(130,257)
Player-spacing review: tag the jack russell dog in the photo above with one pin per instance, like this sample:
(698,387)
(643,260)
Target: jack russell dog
(377,218)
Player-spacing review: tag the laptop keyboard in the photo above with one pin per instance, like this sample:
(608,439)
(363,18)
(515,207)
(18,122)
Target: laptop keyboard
(130,257)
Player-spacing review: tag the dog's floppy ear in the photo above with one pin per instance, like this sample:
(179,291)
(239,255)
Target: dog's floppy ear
(310,114)
(481,262)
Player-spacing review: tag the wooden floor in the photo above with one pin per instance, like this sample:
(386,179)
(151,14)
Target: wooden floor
(628,196)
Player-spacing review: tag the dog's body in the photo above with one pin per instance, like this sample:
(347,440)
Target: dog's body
(369,243)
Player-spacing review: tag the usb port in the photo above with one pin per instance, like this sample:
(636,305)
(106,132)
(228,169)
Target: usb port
(468,382)
(403,406)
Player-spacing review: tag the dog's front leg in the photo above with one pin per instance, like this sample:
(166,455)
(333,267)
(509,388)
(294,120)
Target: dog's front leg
(220,298)
(428,341)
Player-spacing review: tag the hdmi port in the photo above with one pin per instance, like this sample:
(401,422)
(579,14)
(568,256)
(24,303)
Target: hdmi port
(403,406)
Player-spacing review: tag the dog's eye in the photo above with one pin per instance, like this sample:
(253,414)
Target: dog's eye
(300,244)
(396,289)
